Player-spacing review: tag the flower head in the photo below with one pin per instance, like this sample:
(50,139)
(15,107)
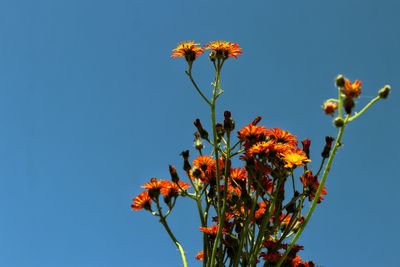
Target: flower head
(189,50)
(311,184)
(172,189)
(252,134)
(223,49)
(330,107)
(294,158)
(282,136)
(142,201)
(351,90)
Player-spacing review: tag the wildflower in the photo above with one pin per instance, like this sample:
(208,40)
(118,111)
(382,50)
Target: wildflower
(142,201)
(172,189)
(261,148)
(330,107)
(351,90)
(282,136)
(294,158)
(153,187)
(189,50)
(252,134)
(298,262)
(223,49)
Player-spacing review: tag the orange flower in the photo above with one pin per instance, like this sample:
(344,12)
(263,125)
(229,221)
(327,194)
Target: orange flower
(351,90)
(252,134)
(223,49)
(262,149)
(238,174)
(154,187)
(189,50)
(212,230)
(207,166)
(200,256)
(330,107)
(142,201)
(172,189)
(294,158)
(282,136)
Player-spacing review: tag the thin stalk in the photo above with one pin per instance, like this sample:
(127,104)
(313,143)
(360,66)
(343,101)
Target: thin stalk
(189,74)
(358,114)
(163,221)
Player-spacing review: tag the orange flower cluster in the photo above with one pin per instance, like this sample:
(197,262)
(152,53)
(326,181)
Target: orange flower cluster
(248,213)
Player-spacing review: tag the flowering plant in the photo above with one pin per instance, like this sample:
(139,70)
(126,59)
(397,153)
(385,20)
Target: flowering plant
(252,214)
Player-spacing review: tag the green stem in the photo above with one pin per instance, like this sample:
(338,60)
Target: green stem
(213,122)
(163,221)
(364,108)
(189,74)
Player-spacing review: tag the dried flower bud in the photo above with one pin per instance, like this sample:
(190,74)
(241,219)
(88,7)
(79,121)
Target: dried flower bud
(340,80)
(384,92)
(348,105)
(328,146)
(203,133)
(186,164)
(229,124)
(306,146)
(330,107)
(339,122)
(173,173)
(256,120)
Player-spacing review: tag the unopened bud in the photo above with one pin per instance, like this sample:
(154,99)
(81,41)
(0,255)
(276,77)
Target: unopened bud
(220,131)
(198,144)
(340,80)
(348,105)
(328,146)
(339,122)
(203,133)
(256,120)
(229,124)
(186,164)
(306,146)
(384,92)
(173,173)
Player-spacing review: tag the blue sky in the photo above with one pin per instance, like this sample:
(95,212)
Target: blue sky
(92,106)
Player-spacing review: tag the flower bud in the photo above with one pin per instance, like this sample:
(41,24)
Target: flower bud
(173,173)
(340,80)
(198,144)
(186,164)
(256,120)
(339,122)
(220,131)
(384,92)
(229,124)
(203,133)
(348,105)
(306,146)
(328,146)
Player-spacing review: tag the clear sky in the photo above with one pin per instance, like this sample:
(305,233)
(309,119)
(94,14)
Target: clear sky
(92,106)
